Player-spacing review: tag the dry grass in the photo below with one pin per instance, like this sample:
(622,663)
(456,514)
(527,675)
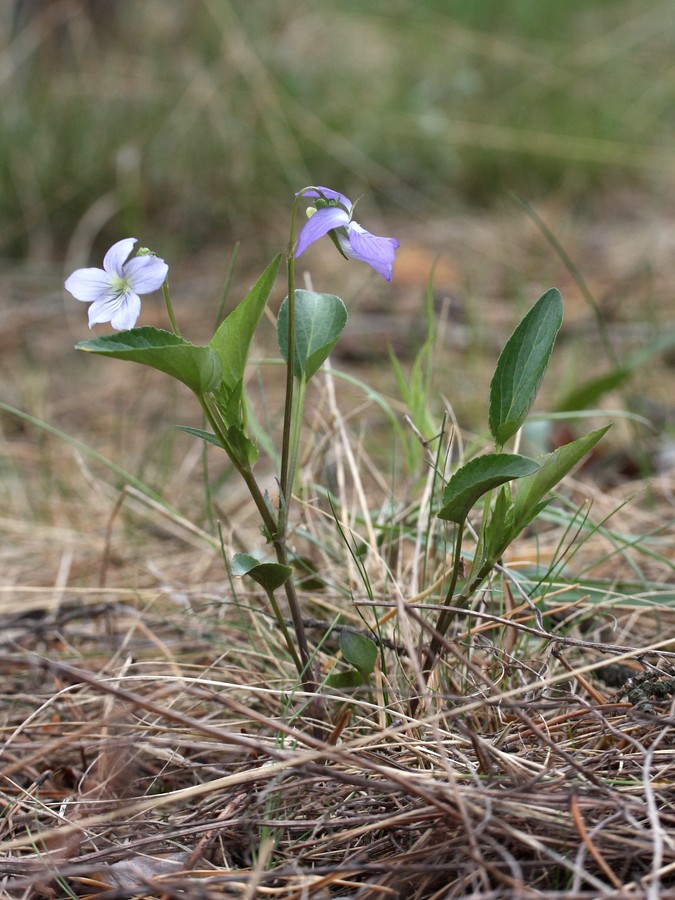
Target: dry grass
(152,744)
(155,742)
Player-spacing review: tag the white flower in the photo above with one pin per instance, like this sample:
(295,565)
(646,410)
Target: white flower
(113,291)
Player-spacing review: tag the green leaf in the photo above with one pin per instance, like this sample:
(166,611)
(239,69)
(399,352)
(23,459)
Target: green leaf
(343,681)
(554,466)
(270,576)
(319,321)
(232,340)
(230,403)
(239,445)
(521,366)
(207,436)
(197,367)
(490,543)
(495,527)
(358,650)
(478,477)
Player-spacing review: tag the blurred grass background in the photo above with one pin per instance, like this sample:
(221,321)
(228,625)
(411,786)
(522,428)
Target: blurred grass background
(188,122)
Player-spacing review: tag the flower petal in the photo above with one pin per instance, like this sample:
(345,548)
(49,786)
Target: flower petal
(328,194)
(88,285)
(323,221)
(121,310)
(115,258)
(145,273)
(103,309)
(377,252)
(128,312)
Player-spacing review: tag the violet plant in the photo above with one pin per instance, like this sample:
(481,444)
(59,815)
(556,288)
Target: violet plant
(507,489)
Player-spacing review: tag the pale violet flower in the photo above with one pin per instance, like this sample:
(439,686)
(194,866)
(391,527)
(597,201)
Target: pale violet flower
(332,214)
(113,291)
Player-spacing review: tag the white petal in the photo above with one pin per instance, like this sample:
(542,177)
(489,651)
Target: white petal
(103,309)
(145,273)
(115,258)
(88,285)
(128,312)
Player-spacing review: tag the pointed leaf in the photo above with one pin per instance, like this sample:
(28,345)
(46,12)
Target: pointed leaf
(239,446)
(270,576)
(319,322)
(207,436)
(521,366)
(197,367)
(359,650)
(531,490)
(478,477)
(232,340)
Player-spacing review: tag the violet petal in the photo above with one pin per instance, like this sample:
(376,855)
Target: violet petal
(323,221)
(377,252)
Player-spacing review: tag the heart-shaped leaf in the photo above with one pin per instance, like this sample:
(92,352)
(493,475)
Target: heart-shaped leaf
(521,366)
(197,367)
(344,681)
(270,576)
(358,650)
(319,321)
(479,476)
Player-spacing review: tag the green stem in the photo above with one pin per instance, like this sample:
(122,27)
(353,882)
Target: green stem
(284,630)
(169,308)
(296,427)
(289,454)
(285,475)
(219,428)
(288,451)
(303,662)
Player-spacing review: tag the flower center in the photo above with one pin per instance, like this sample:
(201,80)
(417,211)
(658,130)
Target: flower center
(119,284)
